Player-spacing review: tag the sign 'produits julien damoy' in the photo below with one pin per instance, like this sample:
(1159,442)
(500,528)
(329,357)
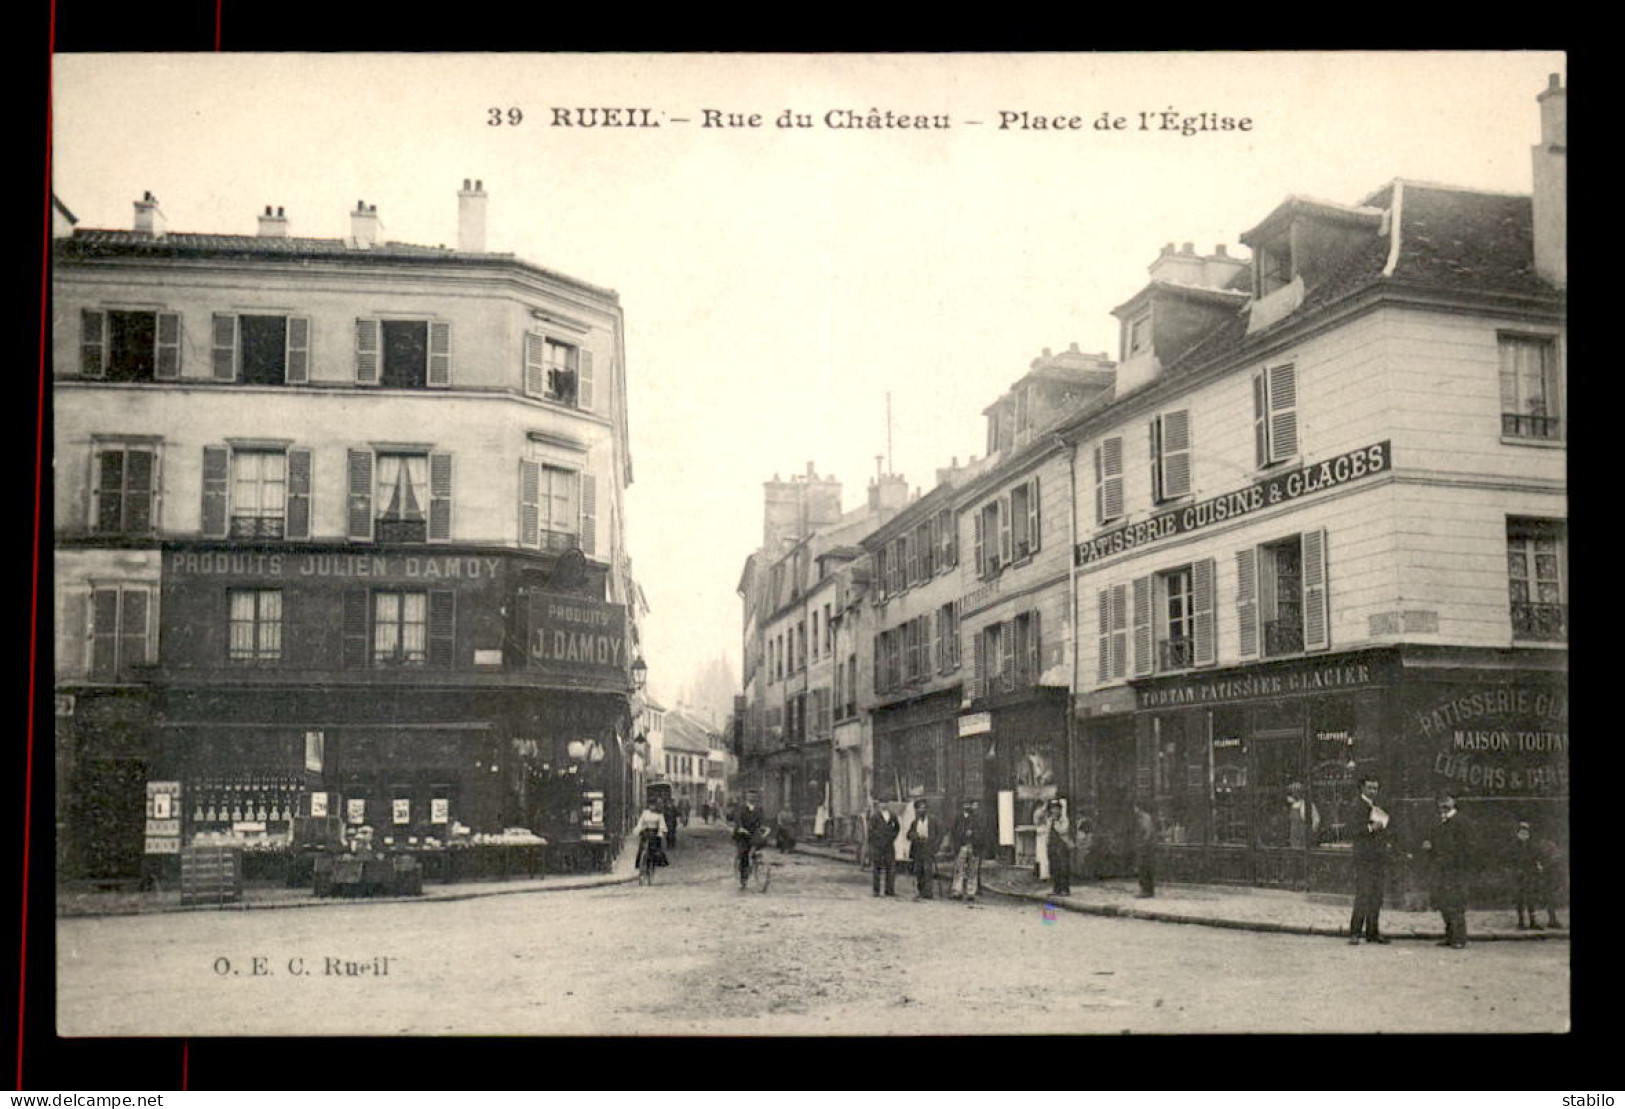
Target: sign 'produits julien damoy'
(577,636)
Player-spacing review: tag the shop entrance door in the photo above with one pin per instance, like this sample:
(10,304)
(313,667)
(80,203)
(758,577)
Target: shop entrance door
(1114,800)
(1278,760)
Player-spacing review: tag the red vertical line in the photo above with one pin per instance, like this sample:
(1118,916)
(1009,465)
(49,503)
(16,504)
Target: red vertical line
(33,606)
(186,1058)
(217,6)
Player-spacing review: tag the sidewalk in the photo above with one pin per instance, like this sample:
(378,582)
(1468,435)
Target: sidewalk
(76,903)
(1244,907)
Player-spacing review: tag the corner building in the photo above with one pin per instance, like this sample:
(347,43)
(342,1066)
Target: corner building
(339,531)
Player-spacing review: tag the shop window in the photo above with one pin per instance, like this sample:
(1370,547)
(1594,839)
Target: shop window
(254,625)
(121,630)
(130,346)
(124,492)
(409,500)
(1275,415)
(1231,786)
(1181,777)
(1170,456)
(1334,729)
(1536,579)
(261,350)
(403,354)
(1529,387)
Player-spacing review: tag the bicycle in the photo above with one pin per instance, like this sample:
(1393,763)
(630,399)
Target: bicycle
(646,859)
(761,871)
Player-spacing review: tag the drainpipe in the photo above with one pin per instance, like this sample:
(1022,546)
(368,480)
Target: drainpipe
(1072,618)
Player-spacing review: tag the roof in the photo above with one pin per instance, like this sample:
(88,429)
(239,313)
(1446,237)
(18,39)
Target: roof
(1180,288)
(1295,205)
(684,733)
(90,242)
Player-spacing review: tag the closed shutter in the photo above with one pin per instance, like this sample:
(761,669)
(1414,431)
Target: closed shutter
(1205,649)
(1144,663)
(360,501)
(980,552)
(1033,517)
(535,367)
(1119,630)
(93,343)
(142,488)
(1103,641)
(298,493)
(911,560)
(168,347)
(1006,533)
(1261,439)
(589,513)
(439,495)
(1316,614)
(1007,654)
(442,627)
(530,485)
(978,665)
(354,629)
(298,372)
(584,381)
(1247,602)
(366,352)
(216,483)
(224,352)
(925,538)
(75,631)
(439,355)
(1174,463)
(1283,398)
(134,647)
(104,633)
(938,639)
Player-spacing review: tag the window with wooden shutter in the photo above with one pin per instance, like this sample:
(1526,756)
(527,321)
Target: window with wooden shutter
(1205,649)
(948,534)
(1034,519)
(979,549)
(439,496)
(298,350)
(367,348)
(978,669)
(1275,414)
(1103,641)
(168,346)
(589,513)
(1109,479)
(1119,636)
(1006,533)
(1171,455)
(585,390)
(1035,646)
(1247,602)
(1144,661)
(359,470)
(439,355)
(1316,611)
(224,347)
(354,629)
(535,365)
(216,483)
(880,663)
(92,343)
(124,489)
(1007,655)
(299,490)
(442,627)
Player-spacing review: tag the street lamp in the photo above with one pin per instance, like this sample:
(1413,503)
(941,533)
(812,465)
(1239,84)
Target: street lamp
(640,673)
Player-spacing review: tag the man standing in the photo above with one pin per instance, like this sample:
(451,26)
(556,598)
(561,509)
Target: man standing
(1370,854)
(919,852)
(880,833)
(1449,852)
(1145,846)
(966,841)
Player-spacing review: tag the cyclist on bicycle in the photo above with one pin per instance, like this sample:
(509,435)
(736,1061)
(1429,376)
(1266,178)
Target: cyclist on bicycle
(749,831)
(649,827)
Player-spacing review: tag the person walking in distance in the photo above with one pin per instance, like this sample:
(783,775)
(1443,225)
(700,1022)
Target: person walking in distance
(1448,851)
(1370,857)
(1145,849)
(1535,865)
(881,827)
(919,852)
(966,840)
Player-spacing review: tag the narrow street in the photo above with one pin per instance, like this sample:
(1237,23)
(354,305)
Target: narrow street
(814,955)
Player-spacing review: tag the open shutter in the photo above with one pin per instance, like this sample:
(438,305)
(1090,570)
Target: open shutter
(584,382)
(439,355)
(1247,602)
(1261,444)
(442,627)
(216,482)
(1316,615)
(75,631)
(298,370)
(1035,647)
(1144,664)
(1103,642)
(93,343)
(1175,460)
(1033,516)
(589,513)
(104,633)
(366,352)
(224,347)
(978,665)
(360,508)
(298,493)
(1007,550)
(1283,398)
(354,629)
(980,528)
(439,496)
(141,486)
(1119,630)
(1205,649)
(530,484)
(168,347)
(133,626)
(1007,654)
(938,661)
(535,368)
(1156,459)
(947,524)
(1112,456)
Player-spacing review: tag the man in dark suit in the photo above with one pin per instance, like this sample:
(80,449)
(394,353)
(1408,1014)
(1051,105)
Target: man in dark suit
(967,843)
(1448,848)
(880,833)
(921,836)
(1370,855)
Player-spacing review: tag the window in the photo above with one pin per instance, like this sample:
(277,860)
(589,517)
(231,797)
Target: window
(261,350)
(1529,387)
(1023,511)
(1139,335)
(1536,579)
(852,684)
(404,354)
(1026,649)
(1231,822)
(829,634)
(1109,479)
(1175,640)
(948,537)
(121,630)
(1170,456)
(1281,596)
(1112,644)
(558,371)
(993,539)
(124,493)
(1275,415)
(813,641)
(130,346)
(1274,266)
(801,645)
(408,501)
(557,508)
(255,625)
(256,492)
(399,628)
(947,638)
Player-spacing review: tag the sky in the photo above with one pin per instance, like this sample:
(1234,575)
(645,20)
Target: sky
(780,284)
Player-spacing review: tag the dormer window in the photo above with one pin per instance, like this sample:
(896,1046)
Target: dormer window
(1274,266)
(1138,339)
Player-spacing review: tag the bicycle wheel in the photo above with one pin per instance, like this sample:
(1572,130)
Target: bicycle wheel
(762,873)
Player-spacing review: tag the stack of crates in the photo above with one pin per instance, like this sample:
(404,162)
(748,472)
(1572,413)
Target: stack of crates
(211,875)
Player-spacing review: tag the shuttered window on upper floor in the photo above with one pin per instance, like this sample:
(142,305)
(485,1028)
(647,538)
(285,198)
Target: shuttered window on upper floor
(260,349)
(1109,479)
(1275,415)
(1170,455)
(130,345)
(403,354)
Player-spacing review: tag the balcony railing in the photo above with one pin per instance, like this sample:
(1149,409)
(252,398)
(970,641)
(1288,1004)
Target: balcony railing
(1283,637)
(1537,621)
(402,531)
(1176,654)
(256,527)
(1529,427)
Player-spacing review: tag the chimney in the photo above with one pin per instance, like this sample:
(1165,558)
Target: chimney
(471,218)
(273,227)
(149,218)
(1551,178)
(364,225)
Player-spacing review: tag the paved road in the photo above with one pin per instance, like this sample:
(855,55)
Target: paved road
(816,954)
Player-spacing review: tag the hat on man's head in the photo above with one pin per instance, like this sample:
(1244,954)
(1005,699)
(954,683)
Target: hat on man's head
(920,804)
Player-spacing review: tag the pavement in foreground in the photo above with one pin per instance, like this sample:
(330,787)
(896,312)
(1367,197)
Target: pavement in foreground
(816,954)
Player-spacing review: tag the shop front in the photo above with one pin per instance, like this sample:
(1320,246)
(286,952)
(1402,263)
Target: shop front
(103,755)
(919,755)
(1024,763)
